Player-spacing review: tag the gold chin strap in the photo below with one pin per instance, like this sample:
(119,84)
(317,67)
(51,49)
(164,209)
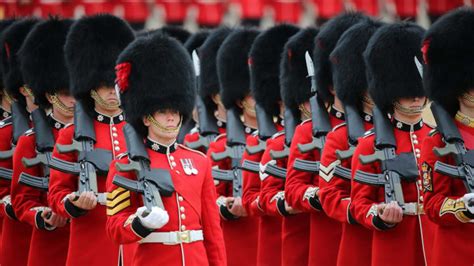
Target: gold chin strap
(367,100)
(468,97)
(248,107)
(28,90)
(103,103)
(304,112)
(409,111)
(7,96)
(466,120)
(60,105)
(155,123)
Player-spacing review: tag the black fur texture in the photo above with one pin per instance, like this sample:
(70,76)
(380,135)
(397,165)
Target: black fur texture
(391,70)
(196,40)
(42,59)
(4,24)
(173,88)
(265,56)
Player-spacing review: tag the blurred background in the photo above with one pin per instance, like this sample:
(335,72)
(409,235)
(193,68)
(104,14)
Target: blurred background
(195,14)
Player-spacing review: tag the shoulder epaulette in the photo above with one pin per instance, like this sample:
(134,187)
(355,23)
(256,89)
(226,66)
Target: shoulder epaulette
(255,133)
(305,121)
(429,125)
(338,126)
(433,132)
(191,150)
(368,133)
(194,130)
(122,155)
(29,132)
(220,136)
(279,133)
(5,122)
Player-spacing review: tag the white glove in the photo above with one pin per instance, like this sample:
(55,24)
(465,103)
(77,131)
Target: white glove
(156,219)
(468,200)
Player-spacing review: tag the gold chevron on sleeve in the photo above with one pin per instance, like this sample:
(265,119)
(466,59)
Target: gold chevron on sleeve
(117,200)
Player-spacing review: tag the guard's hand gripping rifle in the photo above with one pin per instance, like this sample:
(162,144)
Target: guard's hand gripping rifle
(395,168)
(463,158)
(234,149)
(355,130)
(320,125)
(90,160)
(152,183)
(44,148)
(208,130)
(20,125)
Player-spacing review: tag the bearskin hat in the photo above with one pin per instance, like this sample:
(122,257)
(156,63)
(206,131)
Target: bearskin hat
(264,63)
(4,24)
(143,90)
(348,66)
(208,81)
(42,59)
(196,40)
(324,44)
(232,66)
(391,69)
(91,50)
(295,86)
(177,32)
(448,51)
(12,39)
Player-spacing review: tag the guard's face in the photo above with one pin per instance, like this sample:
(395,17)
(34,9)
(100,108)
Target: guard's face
(68,101)
(108,95)
(467,100)
(414,103)
(248,105)
(167,128)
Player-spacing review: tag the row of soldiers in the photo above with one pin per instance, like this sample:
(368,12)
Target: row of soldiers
(316,152)
(211,13)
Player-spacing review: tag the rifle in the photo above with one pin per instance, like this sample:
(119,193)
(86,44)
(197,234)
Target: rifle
(463,158)
(355,130)
(44,148)
(20,123)
(208,130)
(320,124)
(90,161)
(152,183)
(266,129)
(394,167)
(290,125)
(234,149)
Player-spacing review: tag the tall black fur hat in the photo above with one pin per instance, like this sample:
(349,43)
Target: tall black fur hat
(208,81)
(324,44)
(295,85)
(12,39)
(42,59)
(196,40)
(177,32)
(4,24)
(91,50)
(232,66)
(348,66)
(143,90)
(448,50)
(265,56)
(391,68)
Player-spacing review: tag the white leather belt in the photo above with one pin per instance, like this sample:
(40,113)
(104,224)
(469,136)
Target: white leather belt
(102,198)
(174,238)
(413,208)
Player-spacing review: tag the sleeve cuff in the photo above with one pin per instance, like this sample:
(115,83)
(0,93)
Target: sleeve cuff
(140,229)
(281,207)
(315,203)
(10,212)
(350,218)
(226,214)
(380,224)
(41,224)
(72,210)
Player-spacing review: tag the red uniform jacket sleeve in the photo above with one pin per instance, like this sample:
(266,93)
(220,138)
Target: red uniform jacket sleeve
(251,181)
(5,144)
(297,182)
(217,146)
(441,193)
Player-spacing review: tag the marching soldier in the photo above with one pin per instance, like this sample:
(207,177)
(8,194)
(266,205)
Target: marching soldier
(265,87)
(77,182)
(294,83)
(183,226)
(351,88)
(240,229)
(40,56)
(393,212)
(14,232)
(448,49)
(302,187)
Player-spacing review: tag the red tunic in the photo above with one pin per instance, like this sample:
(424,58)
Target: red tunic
(442,205)
(190,207)
(175,10)
(406,8)
(251,181)
(403,243)
(335,194)
(28,201)
(325,233)
(440,7)
(210,12)
(134,11)
(294,228)
(193,135)
(240,235)
(327,9)
(369,7)
(288,11)
(252,9)
(89,243)
(44,8)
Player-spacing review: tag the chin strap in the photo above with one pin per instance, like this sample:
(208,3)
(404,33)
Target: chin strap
(468,97)
(157,124)
(304,112)
(248,108)
(409,111)
(102,103)
(7,96)
(60,105)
